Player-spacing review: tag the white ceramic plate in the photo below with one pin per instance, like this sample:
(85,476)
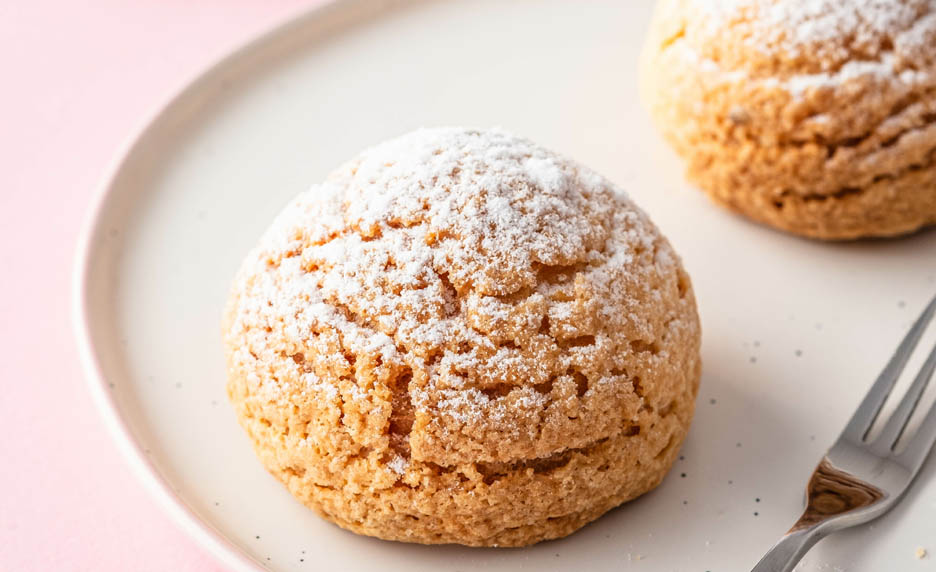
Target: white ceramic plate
(794,331)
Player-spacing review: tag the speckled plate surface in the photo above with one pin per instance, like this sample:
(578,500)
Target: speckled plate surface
(794,331)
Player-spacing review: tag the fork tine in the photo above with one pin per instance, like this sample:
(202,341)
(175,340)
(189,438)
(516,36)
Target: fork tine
(916,452)
(870,407)
(898,420)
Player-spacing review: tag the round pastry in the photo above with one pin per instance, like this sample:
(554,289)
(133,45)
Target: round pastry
(816,117)
(461,337)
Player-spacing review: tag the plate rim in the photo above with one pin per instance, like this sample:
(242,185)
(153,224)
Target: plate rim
(191,524)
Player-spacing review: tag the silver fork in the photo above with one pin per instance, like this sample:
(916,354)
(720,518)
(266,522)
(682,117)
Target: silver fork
(858,480)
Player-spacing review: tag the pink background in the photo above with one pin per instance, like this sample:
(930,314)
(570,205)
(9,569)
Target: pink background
(75,82)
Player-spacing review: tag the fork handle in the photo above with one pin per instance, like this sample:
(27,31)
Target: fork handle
(788,551)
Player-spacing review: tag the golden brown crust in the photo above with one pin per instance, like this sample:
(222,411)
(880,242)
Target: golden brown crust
(817,119)
(463,338)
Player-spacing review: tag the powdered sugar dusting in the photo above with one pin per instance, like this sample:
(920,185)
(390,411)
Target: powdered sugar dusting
(485,266)
(812,22)
(398,465)
(798,24)
(868,40)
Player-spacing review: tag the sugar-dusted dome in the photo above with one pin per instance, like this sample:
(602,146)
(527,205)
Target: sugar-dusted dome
(463,337)
(814,116)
